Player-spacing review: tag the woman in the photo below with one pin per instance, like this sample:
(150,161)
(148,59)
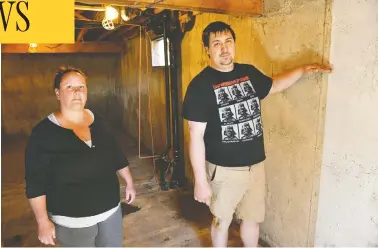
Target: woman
(71,165)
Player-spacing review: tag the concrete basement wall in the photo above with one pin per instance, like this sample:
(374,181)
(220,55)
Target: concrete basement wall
(27,87)
(295,34)
(290,34)
(348,203)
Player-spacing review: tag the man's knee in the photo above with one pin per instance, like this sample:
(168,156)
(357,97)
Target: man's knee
(221,224)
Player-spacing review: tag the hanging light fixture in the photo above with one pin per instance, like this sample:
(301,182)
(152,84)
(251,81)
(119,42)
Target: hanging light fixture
(110,13)
(107,24)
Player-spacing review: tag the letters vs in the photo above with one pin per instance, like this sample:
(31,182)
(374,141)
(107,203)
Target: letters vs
(6,8)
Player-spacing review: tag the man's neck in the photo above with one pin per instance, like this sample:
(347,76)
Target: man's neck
(227,68)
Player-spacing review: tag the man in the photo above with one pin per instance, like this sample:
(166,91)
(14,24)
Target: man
(227,158)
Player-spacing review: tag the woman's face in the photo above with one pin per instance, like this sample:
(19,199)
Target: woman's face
(72,93)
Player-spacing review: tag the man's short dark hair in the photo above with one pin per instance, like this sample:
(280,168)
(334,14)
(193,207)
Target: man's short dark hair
(216,27)
(63,70)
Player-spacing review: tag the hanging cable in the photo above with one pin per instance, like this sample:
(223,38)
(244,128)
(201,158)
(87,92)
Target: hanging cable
(139,81)
(139,96)
(148,73)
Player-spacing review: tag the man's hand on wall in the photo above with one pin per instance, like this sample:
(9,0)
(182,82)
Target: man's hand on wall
(316,68)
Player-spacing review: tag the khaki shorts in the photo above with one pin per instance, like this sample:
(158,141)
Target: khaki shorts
(237,190)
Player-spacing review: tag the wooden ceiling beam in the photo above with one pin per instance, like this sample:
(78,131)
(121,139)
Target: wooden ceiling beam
(86,47)
(81,34)
(107,33)
(232,7)
(79,16)
(132,32)
(127,31)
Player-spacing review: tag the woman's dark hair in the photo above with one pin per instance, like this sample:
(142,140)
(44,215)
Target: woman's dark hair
(216,27)
(63,70)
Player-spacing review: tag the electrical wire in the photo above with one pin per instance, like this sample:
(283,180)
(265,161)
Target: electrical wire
(139,96)
(148,73)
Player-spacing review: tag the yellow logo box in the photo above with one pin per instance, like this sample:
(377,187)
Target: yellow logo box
(37,21)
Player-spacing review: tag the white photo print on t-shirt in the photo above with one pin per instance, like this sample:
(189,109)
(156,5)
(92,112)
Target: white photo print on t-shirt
(243,111)
(246,130)
(230,133)
(258,126)
(223,95)
(248,88)
(228,114)
(254,106)
(236,92)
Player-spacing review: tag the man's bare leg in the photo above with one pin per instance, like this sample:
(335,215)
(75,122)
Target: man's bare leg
(219,232)
(249,232)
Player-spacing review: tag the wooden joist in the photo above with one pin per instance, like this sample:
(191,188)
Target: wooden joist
(232,7)
(86,47)
(81,34)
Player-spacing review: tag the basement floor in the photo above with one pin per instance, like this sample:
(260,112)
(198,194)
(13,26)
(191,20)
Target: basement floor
(156,218)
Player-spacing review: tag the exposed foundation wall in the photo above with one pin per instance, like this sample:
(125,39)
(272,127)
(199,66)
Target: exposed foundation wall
(291,33)
(295,34)
(348,201)
(143,95)
(27,87)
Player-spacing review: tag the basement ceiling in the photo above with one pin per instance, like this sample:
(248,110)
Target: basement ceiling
(92,34)
(91,23)
(90,14)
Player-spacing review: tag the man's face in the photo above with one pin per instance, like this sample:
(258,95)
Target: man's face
(221,50)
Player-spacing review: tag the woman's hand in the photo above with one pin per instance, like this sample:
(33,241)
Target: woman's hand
(46,229)
(46,232)
(130,194)
(125,173)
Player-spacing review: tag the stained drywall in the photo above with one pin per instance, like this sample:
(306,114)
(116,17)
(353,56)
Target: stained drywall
(27,87)
(143,95)
(292,33)
(348,201)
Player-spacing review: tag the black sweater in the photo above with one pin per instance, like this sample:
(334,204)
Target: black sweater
(77,180)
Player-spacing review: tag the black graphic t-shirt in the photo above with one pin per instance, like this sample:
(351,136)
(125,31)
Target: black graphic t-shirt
(229,102)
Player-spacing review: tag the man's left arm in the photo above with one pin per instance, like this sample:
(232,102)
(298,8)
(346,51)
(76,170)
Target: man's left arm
(283,81)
